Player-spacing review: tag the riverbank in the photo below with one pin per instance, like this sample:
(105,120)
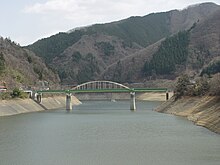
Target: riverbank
(18,106)
(203,111)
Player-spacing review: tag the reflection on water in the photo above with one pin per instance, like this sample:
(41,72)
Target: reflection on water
(105,133)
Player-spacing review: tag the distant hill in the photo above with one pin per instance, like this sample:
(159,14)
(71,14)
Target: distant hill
(22,68)
(194,51)
(119,50)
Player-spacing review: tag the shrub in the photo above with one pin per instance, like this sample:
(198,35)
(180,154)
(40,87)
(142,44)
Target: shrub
(38,71)
(212,68)
(201,87)
(107,48)
(5,95)
(2,63)
(76,56)
(182,86)
(17,93)
(29,59)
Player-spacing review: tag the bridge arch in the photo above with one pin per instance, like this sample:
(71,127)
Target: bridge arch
(100,85)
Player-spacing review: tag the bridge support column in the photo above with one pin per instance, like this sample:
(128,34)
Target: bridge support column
(167,95)
(39,98)
(132,102)
(69,102)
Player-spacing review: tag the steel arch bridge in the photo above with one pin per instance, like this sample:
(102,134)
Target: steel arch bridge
(102,87)
(99,87)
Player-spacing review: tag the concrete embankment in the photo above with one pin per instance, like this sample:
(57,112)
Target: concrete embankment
(17,106)
(148,96)
(154,96)
(203,111)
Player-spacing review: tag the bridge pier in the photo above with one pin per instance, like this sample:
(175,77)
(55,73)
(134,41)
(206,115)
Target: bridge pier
(69,102)
(132,102)
(39,98)
(167,95)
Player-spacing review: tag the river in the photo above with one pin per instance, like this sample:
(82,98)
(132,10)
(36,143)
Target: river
(105,133)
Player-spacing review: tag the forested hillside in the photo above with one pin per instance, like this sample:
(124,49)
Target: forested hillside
(133,49)
(49,48)
(172,52)
(140,30)
(89,57)
(194,51)
(22,68)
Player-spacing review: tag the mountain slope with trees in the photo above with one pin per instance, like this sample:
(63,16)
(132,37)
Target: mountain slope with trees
(195,51)
(129,50)
(22,68)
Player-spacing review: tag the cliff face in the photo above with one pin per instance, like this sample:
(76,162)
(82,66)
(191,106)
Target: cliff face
(203,111)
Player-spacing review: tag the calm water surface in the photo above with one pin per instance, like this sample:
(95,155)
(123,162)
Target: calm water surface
(105,133)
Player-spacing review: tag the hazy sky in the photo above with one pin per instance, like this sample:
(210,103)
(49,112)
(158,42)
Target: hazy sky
(26,21)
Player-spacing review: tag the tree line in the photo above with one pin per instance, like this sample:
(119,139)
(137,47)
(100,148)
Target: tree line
(198,87)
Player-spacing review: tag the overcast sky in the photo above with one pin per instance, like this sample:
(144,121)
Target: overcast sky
(26,21)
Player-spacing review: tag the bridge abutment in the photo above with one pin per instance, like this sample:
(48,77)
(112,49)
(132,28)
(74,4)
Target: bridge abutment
(132,102)
(69,102)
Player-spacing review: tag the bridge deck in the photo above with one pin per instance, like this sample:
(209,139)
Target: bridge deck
(116,90)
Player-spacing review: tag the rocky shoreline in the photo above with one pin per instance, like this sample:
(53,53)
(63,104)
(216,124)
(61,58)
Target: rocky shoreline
(203,111)
(18,106)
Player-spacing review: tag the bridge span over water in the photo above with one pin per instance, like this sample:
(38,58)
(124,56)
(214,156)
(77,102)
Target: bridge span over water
(100,87)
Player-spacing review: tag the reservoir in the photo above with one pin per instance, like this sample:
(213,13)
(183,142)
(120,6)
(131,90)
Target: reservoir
(106,133)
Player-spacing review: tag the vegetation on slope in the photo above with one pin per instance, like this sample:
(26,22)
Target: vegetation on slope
(142,30)
(20,67)
(172,52)
(48,48)
(106,47)
(15,93)
(88,71)
(174,56)
(201,86)
(2,63)
(212,68)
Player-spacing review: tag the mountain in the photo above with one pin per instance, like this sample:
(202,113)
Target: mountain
(119,50)
(194,51)
(205,42)
(22,68)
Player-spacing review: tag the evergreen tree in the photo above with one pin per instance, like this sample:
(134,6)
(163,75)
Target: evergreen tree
(2,63)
